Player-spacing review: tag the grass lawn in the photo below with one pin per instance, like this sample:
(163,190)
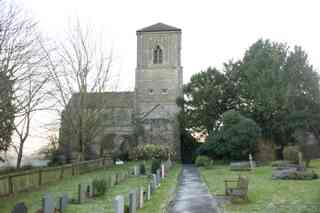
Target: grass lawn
(267,195)
(69,185)
(96,205)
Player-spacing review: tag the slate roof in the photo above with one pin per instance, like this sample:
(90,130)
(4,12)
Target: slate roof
(159,27)
(107,99)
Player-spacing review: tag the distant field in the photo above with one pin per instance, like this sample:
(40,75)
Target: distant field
(267,195)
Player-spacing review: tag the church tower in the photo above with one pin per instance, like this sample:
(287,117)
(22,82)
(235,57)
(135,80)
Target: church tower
(159,83)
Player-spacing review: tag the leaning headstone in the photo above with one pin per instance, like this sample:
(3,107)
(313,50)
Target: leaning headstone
(19,208)
(149,192)
(63,202)
(118,204)
(47,204)
(132,201)
(81,193)
(141,198)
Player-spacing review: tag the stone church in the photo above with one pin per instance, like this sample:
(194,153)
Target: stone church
(149,112)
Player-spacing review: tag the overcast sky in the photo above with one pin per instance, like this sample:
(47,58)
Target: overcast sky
(212,31)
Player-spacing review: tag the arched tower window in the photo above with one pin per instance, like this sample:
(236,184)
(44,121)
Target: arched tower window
(157,55)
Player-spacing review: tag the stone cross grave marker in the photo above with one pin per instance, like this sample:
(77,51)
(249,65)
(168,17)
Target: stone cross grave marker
(118,204)
(141,197)
(149,192)
(132,201)
(47,204)
(251,162)
(63,202)
(81,193)
(19,208)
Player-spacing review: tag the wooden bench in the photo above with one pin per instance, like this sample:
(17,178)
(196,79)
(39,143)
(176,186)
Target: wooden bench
(237,188)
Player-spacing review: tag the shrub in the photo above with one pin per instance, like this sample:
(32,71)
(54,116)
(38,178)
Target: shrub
(99,187)
(291,153)
(203,161)
(235,140)
(150,151)
(142,169)
(155,165)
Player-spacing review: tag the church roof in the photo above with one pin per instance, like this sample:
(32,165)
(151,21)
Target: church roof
(158,28)
(107,99)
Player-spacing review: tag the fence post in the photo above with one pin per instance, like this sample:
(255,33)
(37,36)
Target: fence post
(10,185)
(40,177)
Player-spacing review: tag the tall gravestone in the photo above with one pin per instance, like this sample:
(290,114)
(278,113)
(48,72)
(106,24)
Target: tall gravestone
(63,202)
(132,201)
(118,204)
(47,204)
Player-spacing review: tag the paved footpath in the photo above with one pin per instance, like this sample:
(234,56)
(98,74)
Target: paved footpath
(192,194)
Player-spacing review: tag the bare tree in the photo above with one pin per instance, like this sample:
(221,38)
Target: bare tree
(21,61)
(80,71)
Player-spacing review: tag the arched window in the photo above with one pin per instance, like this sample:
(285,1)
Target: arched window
(157,55)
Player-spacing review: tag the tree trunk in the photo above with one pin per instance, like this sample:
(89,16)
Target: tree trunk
(20,154)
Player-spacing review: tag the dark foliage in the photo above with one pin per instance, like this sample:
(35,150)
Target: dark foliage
(155,165)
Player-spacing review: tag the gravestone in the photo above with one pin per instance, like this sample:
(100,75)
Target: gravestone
(135,170)
(47,204)
(153,186)
(132,201)
(63,202)
(155,180)
(158,177)
(81,193)
(19,208)
(118,204)
(240,166)
(141,198)
(149,192)
(162,171)
(90,190)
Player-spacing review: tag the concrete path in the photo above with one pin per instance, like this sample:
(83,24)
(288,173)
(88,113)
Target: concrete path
(192,195)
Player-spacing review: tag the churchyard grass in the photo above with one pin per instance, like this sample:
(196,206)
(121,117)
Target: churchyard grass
(267,195)
(162,195)
(69,185)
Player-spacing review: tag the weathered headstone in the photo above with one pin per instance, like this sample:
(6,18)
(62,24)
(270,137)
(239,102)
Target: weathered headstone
(162,171)
(155,180)
(47,204)
(132,201)
(149,192)
(81,193)
(158,177)
(63,202)
(300,159)
(90,190)
(118,204)
(136,170)
(153,185)
(141,198)
(19,208)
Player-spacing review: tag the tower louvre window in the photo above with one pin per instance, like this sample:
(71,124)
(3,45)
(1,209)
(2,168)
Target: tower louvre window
(157,55)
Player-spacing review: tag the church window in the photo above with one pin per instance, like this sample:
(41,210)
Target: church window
(157,55)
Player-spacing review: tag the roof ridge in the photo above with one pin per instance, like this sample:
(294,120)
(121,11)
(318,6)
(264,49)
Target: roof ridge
(158,27)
